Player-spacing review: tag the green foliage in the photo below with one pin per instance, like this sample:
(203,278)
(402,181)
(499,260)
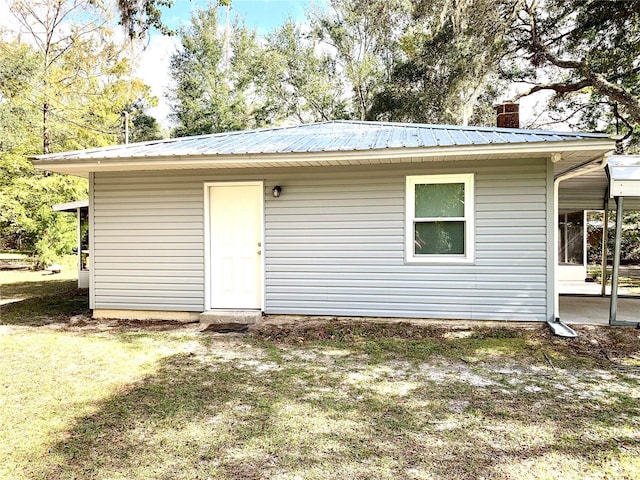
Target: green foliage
(586,52)
(212,72)
(18,124)
(448,72)
(27,220)
(630,241)
(398,60)
(297,81)
(63,88)
(139,16)
(142,127)
(364,35)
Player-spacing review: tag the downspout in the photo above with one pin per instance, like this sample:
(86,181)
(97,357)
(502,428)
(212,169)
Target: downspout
(556,210)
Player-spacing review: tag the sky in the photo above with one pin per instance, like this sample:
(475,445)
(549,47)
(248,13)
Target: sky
(261,15)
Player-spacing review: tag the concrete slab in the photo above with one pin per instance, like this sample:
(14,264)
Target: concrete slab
(587,288)
(592,310)
(244,317)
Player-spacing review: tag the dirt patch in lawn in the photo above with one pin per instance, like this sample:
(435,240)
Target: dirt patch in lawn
(601,344)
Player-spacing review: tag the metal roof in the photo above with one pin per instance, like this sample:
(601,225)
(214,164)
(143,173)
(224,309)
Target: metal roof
(624,175)
(624,167)
(588,191)
(333,136)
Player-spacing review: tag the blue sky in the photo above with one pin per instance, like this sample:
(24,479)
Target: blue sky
(262,15)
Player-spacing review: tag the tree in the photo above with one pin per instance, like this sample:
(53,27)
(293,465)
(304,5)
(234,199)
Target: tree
(44,21)
(63,87)
(83,80)
(297,80)
(363,35)
(18,126)
(629,242)
(212,70)
(584,51)
(432,61)
(26,218)
(142,127)
(139,16)
(448,70)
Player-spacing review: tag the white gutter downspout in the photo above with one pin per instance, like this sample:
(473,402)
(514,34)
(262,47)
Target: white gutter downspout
(556,212)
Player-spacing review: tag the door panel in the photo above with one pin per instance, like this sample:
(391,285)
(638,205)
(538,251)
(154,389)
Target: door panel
(235,212)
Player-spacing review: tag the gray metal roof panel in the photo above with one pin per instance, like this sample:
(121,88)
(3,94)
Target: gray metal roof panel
(324,137)
(624,167)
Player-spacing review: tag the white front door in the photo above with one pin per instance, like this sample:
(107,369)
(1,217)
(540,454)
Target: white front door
(235,215)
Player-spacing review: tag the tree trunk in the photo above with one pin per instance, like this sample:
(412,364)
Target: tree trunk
(46,136)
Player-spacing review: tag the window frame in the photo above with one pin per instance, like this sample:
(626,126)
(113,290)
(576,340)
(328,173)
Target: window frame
(468,179)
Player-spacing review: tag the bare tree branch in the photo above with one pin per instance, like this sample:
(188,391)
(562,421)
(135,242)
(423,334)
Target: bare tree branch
(592,78)
(616,93)
(556,87)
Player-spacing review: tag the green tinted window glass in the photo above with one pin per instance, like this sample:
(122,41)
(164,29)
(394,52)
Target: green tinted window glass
(439,200)
(438,238)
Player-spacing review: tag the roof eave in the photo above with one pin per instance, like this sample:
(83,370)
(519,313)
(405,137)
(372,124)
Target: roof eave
(534,149)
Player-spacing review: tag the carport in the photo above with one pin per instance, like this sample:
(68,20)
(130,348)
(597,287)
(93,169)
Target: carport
(81,209)
(593,188)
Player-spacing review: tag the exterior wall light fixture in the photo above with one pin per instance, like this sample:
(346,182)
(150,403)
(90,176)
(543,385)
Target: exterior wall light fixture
(276,191)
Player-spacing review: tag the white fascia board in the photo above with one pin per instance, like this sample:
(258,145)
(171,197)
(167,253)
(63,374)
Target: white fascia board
(71,206)
(625,188)
(538,149)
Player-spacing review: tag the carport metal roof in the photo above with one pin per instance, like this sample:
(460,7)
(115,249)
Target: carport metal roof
(624,175)
(588,191)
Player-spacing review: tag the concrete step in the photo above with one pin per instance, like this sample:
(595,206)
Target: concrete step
(223,317)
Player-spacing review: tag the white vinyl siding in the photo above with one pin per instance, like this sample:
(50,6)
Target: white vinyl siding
(334,242)
(149,246)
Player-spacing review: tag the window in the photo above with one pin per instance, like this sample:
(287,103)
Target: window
(571,238)
(439,223)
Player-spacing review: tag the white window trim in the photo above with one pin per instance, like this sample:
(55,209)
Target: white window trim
(469,216)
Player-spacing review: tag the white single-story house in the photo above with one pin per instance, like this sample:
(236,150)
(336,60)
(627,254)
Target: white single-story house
(341,218)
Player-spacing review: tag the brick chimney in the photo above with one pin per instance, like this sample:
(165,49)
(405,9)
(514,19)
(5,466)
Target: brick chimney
(508,115)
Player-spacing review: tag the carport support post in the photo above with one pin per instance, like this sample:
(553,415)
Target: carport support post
(605,240)
(613,310)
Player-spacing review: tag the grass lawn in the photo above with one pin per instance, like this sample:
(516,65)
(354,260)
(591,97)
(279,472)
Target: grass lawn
(317,400)
(631,283)
(629,277)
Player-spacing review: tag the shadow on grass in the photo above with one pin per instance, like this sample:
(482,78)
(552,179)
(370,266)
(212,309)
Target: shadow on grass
(46,302)
(46,284)
(249,419)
